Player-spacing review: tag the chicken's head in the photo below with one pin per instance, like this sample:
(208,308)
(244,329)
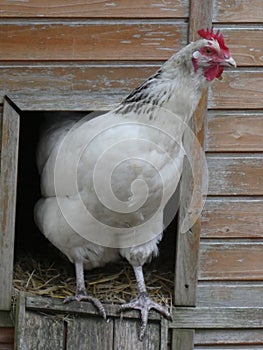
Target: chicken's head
(213,56)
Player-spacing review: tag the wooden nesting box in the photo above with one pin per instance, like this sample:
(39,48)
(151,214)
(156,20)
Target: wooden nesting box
(71,55)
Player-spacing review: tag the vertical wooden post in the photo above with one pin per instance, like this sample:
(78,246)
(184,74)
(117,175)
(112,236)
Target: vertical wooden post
(187,250)
(8,181)
(186,263)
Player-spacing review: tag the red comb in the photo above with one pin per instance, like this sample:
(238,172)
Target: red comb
(210,35)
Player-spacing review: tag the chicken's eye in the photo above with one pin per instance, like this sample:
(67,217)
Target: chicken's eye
(208,51)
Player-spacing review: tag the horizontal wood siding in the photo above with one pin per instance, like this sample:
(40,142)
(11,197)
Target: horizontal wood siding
(75,78)
(95,9)
(234,132)
(90,41)
(229,337)
(241,89)
(235,174)
(233,218)
(230,294)
(107,40)
(237,11)
(6,338)
(231,259)
(245,43)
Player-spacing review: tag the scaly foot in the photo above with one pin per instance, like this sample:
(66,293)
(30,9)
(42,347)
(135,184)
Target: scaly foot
(144,304)
(82,296)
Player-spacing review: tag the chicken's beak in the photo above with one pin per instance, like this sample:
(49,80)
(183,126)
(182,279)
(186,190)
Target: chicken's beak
(228,62)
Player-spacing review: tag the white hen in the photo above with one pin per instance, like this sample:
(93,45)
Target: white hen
(105,181)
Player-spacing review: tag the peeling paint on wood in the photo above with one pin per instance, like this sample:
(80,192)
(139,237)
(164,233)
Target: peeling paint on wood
(95,8)
(89,41)
(230,217)
(234,131)
(49,322)
(235,174)
(240,89)
(231,261)
(237,11)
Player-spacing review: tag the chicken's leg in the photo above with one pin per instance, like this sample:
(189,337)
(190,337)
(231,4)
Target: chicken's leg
(143,302)
(81,293)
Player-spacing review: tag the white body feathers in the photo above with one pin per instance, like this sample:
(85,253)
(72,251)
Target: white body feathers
(146,131)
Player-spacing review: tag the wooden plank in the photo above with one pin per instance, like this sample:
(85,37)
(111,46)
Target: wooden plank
(235,174)
(42,332)
(232,218)
(216,318)
(236,132)
(47,79)
(83,308)
(48,82)
(164,334)
(67,102)
(6,335)
(126,334)
(36,330)
(183,339)
(88,333)
(230,294)
(237,11)
(187,247)
(91,41)
(83,328)
(6,319)
(229,337)
(8,166)
(245,44)
(231,261)
(6,346)
(95,9)
(239,89)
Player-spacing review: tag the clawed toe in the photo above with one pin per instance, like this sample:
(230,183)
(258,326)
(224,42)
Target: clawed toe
(144,304)
(85,297)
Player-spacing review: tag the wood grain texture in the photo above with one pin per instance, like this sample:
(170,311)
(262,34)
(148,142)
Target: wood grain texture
(46,82)
(231,261)
(126,334)
(239,89)
(217,318)
(237,11)
(183,339)
(5,319)
(230,294)
(245,44)
(47,79)
(235,174)
(91,41)
(229,337)
(79,327)
(95,9)
(41,332)
(236,132)
(8,179)
(88,333)
(232,218)
(6,336)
